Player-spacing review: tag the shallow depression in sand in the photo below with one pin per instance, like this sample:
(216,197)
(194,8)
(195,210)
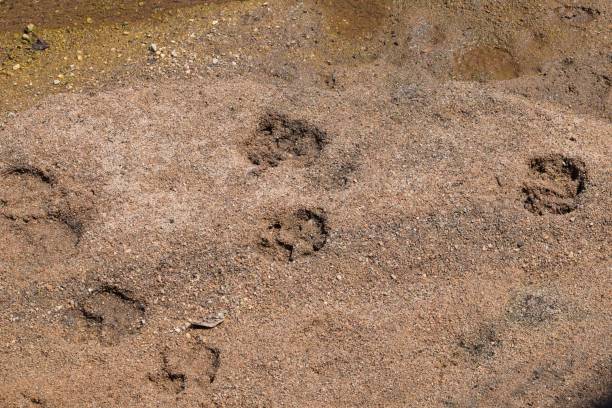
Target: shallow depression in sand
(486,64)
(555,185)
(36,234)
(279,138)
(112,313)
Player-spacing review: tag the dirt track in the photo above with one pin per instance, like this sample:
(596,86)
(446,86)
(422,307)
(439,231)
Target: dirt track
(385,203)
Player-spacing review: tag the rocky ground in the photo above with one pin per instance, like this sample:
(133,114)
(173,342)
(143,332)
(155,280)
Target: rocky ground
(305,203)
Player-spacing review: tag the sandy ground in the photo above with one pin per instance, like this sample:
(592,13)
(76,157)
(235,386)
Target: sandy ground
(320,204)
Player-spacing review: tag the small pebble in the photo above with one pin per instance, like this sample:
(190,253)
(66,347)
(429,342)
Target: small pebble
(40,45)
(16,67)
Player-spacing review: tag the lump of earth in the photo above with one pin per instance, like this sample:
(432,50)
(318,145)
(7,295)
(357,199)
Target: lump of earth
(555,184)
(297,234)
(279,138)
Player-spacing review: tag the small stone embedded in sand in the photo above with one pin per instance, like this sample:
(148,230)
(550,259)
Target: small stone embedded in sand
(16,67)
(153,47)
(208,323)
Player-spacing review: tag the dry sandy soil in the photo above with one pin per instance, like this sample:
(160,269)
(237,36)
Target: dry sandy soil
(306,204)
